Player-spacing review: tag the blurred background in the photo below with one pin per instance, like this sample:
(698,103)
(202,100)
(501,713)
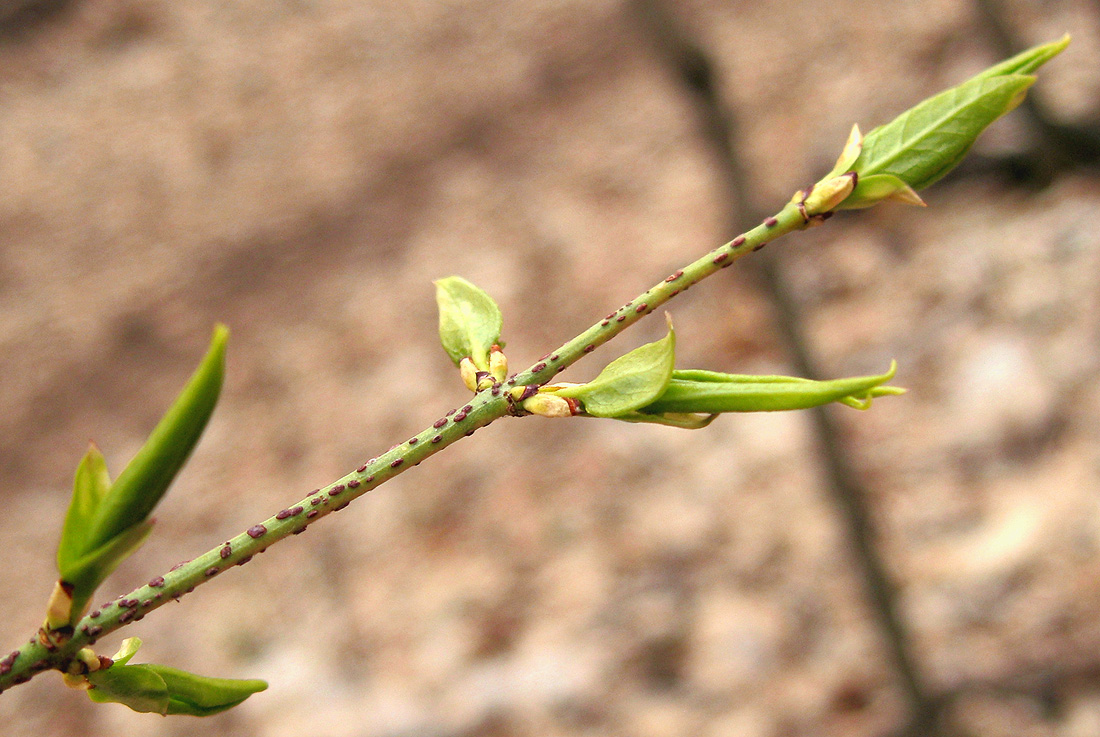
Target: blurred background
(302,170)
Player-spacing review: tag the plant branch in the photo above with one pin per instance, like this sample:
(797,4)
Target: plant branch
(485,407)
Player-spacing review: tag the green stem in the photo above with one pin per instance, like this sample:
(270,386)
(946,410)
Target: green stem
(785,221)
(485,407)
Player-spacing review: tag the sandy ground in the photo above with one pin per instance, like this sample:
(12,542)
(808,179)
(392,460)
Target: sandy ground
(302,170)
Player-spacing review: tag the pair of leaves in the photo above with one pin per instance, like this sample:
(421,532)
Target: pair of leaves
(927,141)
(159,689)
(470,322)
(106,521)
(644,386)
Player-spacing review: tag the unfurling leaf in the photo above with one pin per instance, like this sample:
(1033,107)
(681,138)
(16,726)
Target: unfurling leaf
(629,382)
(159,689)
(126,650)
(202,696)
(710,393)
(106,521)
(469,321)
(927,141)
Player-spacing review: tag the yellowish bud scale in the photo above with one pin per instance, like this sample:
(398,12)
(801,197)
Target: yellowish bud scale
(498,364)
(549,405)
(59,608)
(468,371)
(828,194)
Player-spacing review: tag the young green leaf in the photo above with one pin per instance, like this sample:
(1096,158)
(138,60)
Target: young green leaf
(629,382)
(136,687)
(202,696)
(143,482)
(469,321)
(107,522)
(927,141)
(1027,61)
(709,392)
(682,420)
(160,689)
(126,650)
(90,486)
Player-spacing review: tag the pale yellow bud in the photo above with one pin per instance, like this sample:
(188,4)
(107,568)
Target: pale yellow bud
(468,371)
(59,607)
(74,680)
(498,364)
(827,194)
(548,405)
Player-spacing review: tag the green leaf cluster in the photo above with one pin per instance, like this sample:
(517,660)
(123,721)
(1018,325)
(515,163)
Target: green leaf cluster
(159,689)
(106,522)
(470,322)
